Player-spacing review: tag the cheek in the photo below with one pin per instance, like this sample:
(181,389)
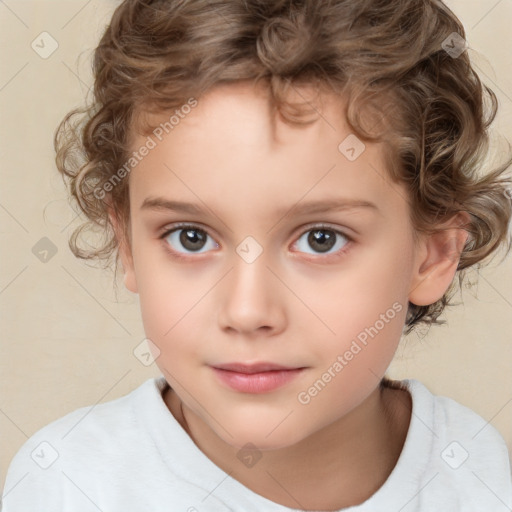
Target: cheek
(169,308)
(370,288)
(368,324)
(365,305)
(170,295)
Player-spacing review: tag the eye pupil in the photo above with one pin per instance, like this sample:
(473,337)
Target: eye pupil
(192,239)
(322,240)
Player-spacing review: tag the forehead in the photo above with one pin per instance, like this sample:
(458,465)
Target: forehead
(232,147)
(228,106)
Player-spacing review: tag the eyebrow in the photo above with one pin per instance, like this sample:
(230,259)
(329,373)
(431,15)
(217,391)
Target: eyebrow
(337,204)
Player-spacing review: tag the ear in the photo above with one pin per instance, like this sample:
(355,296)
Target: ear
(124,252)
(437,258)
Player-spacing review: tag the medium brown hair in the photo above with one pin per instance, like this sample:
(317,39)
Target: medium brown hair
(382,57)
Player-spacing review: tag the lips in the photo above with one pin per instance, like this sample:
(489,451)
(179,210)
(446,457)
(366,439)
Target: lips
(255,378)
(253,368)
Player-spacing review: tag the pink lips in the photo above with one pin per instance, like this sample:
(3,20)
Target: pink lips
(255,378)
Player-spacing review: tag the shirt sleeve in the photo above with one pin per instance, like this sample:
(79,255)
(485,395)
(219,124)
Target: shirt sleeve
(33,481)
(40,480)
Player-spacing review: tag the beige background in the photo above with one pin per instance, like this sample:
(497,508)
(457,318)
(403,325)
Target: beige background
(65,340)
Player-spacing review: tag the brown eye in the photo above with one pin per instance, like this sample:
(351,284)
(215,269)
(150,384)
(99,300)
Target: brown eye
(188,239)
(322,240)
(192,239)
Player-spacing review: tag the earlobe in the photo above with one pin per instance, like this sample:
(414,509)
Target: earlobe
(437,261)
(125,254)
(129,280)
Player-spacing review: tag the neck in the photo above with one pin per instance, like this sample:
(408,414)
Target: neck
(339,466)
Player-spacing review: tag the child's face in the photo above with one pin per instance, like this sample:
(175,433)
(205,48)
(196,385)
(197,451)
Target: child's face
(303,302)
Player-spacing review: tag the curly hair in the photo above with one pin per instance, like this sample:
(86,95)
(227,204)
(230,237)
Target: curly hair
(386,58)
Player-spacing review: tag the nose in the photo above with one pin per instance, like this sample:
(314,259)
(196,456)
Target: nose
(251,301)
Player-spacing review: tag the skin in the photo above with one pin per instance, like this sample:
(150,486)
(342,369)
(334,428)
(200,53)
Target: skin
(293,305)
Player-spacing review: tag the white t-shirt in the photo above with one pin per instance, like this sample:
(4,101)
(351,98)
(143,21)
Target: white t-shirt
(131,454)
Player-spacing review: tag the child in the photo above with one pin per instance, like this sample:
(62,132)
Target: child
(291,185)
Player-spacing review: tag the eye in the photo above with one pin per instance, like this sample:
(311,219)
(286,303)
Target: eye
(323,239)
(191,238)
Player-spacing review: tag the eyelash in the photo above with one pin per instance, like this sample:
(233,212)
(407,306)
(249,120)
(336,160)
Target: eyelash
(318,227)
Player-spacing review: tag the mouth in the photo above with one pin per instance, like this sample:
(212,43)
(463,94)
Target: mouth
(255,378)
(253,368)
